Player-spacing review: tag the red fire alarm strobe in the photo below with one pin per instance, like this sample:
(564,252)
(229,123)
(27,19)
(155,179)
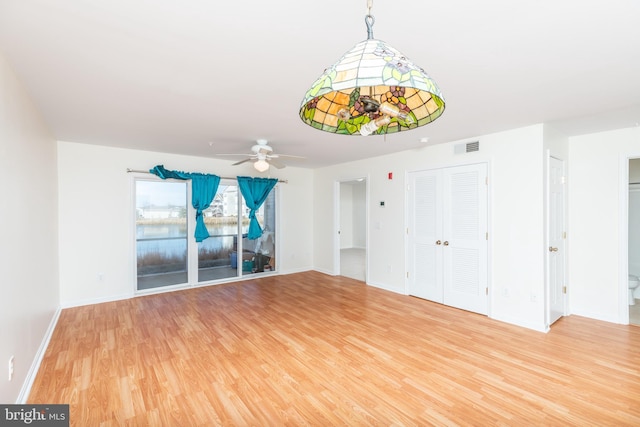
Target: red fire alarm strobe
(390,175)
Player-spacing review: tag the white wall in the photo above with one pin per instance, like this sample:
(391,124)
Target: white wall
(28,237)
(516,217)
(598,180)
(96,219)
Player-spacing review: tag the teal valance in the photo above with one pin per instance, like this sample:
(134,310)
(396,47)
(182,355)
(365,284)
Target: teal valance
(203,190)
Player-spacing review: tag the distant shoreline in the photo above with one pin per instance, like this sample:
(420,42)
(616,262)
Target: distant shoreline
(183,221)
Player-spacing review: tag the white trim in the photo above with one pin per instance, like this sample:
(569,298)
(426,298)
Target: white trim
(407,264)
(623,250)
(336,229)
(547,232)
(35,365)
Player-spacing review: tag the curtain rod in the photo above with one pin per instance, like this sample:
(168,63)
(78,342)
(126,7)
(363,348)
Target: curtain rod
(129,170)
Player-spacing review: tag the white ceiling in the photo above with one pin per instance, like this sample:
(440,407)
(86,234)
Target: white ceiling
(203,77)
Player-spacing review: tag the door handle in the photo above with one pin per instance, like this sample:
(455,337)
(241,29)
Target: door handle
(552,249)
(446,243)
(438,242)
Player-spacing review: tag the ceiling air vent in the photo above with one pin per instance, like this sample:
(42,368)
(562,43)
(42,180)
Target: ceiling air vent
(467,147)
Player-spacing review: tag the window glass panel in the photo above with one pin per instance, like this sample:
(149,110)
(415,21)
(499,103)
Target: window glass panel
(259,254)
(217,255)
(161,233)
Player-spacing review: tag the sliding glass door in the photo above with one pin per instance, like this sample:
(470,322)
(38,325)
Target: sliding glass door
(166,249)
(161,233)
(217,258)
(228,252)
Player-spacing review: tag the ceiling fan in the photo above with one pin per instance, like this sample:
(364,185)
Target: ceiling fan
(263,155)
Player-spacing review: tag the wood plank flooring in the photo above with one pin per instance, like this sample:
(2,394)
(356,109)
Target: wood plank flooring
(311,349)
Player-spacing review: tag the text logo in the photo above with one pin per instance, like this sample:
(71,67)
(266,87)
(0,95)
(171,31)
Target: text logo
(34,415)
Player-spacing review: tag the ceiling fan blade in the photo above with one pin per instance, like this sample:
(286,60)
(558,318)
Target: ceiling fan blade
(277,164)
(242,161)
(291,156)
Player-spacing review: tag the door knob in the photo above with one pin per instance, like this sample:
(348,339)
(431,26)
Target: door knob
(552,249)
(438,242)
(446,243)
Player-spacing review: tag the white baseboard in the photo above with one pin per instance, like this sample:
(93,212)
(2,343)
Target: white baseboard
(80,303)
(323,271)
(35,365)
(294,270)
(540,327)
(386,287)
(605,317)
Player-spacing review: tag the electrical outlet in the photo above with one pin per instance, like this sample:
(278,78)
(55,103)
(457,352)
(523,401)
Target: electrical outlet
(10,368)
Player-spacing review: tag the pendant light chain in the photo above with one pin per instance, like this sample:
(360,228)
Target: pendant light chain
(369,20)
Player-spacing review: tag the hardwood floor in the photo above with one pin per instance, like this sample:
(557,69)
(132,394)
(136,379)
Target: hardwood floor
(311,349)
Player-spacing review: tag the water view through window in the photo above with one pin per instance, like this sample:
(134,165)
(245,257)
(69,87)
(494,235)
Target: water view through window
(161,233)
(162,238)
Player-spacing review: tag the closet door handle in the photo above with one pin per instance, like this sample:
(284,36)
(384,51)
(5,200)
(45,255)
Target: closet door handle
(552,249)
(446,243)
(438,242)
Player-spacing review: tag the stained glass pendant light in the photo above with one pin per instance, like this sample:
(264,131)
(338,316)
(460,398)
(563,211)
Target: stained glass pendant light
(372,89)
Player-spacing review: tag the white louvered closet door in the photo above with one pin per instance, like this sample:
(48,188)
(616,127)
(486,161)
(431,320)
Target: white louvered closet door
(464,229)
(425,225)
(447,225)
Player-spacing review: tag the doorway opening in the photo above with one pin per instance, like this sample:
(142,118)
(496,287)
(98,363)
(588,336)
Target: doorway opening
(555,289)
(633,244)
(351,221)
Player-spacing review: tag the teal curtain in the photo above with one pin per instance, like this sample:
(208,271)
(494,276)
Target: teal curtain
(255,192)
(203,190)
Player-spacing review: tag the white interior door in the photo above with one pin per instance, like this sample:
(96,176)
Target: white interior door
(556,250)
(465,237)
(424,239)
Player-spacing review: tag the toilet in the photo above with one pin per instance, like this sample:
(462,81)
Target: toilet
(634,281)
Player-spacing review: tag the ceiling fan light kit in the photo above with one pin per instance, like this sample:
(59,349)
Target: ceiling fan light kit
(261,165)
(373,88)
(263,155)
